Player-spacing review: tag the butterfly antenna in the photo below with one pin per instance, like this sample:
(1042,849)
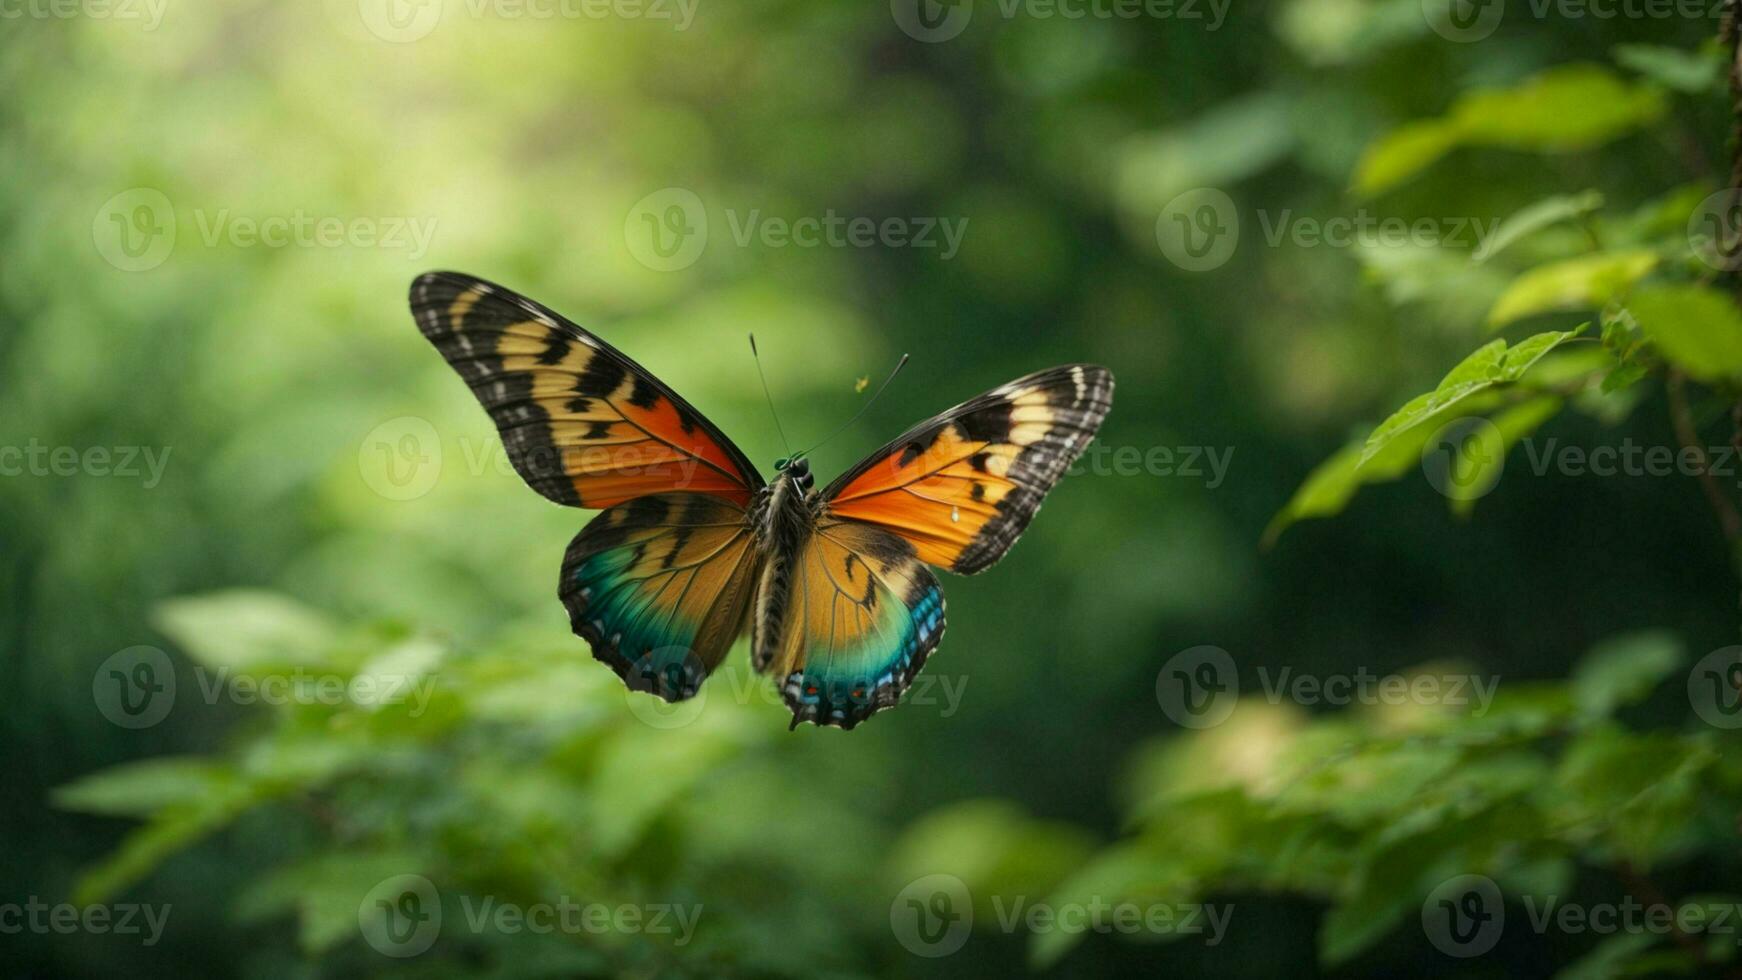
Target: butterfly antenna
(768,395)
(849,423)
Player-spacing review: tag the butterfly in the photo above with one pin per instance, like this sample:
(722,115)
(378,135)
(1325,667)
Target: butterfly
(692,548)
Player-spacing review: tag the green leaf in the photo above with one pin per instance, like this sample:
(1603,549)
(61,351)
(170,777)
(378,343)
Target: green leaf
(1491,364)
(243,628)
(1642,793)
(173,828)
(1448,287)
(1696,328)
(1402,153)
(1538,216)
(1583,283)
(1329,487)
(1566,109)
(1624,376)
(139,789)
(1694,72)
(1623,670)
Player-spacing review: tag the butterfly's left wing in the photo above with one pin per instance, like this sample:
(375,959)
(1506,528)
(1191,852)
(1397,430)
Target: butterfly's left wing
(581,422)
(962,486)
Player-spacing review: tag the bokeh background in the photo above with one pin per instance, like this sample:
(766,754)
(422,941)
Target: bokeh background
(328,502)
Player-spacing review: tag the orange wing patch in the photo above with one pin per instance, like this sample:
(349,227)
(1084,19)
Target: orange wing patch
(583,424)
(963,486)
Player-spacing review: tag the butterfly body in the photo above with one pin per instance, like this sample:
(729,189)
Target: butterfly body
(692,547)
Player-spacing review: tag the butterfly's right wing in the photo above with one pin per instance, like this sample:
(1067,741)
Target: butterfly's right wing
(659,587)
(963,485)
(844,620)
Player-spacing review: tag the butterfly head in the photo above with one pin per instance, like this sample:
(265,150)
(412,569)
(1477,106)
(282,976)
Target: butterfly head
(797,469)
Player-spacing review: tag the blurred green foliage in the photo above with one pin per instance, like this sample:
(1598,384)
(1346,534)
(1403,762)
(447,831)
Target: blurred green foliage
(277,544)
